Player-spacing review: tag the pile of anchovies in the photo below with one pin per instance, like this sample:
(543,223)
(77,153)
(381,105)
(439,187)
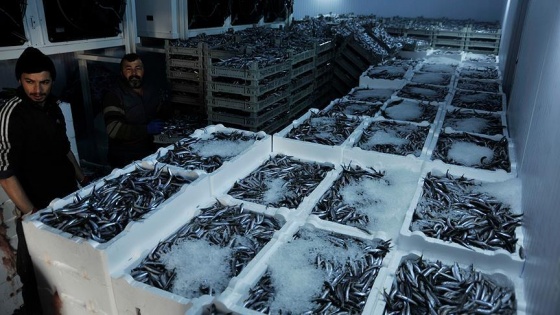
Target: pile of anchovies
(347,287)
(325,128)
(331,206)
(246,62)
(493,122)
(452,210)
(425,287)
(478,85)
(491,102)
(219,225)
(301,179)
(113,203)
(396,72)
(423,92)
(355,108)
(415,136)
(500,159)
(479,73)
(438,68)
(181,127)
(429,112)
(432,78)
(182,155)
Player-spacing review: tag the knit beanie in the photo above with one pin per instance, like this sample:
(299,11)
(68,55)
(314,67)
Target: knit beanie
(32,60)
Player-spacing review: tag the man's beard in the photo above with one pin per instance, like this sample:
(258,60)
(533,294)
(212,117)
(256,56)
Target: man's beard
(135,81)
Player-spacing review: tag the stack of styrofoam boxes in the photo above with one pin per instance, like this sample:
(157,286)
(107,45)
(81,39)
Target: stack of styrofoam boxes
(497,264)
(185,72)
(490,103)
(10,284)
(79,270)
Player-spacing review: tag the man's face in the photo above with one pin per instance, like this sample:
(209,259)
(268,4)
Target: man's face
(37,86)
(133,72)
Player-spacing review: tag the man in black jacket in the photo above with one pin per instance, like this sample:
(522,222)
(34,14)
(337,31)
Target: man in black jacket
(132,112)
(36,163)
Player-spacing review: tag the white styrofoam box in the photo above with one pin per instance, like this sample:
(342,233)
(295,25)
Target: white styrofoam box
(406,108)
(205,133)
(476,96)
(280,141)
(476,84)
(499,174)
(131,294)
(444,56)
(133,297)
(496,273)
(350,108)
(469,70)
(450,109)
(419,54)
(439,102)
(433,78)
(367,81)
(511,262)
(391,201)
(480,58)
(351,149)
(233,298)
(80,268)
(371,95)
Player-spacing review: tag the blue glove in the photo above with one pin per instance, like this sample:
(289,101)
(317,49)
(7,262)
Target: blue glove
(155,126)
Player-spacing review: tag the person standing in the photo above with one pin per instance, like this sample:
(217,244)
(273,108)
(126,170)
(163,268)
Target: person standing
(36,163)
(133,113)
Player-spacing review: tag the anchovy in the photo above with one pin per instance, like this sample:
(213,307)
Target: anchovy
(500,148)
(412,138)
(451,209)
(348,283)
(427,287)
(325,128)
(246,233)
(112,205)
(300,179)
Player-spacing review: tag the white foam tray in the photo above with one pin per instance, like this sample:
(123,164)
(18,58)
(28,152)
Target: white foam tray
(501,258)
(351,151)
(232,298)
(79,269)
(449,108)
(375,83)
(447,259)
(131,294)
(504,99)
(498,174)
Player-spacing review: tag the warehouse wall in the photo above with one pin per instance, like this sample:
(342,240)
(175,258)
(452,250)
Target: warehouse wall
(533,113)
(483,10)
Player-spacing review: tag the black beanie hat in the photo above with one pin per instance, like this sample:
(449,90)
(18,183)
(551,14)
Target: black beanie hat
(32,60)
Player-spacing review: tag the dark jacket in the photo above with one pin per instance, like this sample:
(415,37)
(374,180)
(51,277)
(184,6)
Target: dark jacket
(126,115)
(34,147)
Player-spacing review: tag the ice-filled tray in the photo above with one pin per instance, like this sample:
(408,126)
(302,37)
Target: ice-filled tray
(421,282)
(207,149)
(438,67)
(478,85)
(371,199)
(474,72)
(393,137)
(425,92)
(372,95)
(305,272)
(490,102)
(226,239)
(389,75)
(433,78)
(473,121)
(471,218)
(411,110)
(484,154)
(324,127)
(353,108)
(79,240)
